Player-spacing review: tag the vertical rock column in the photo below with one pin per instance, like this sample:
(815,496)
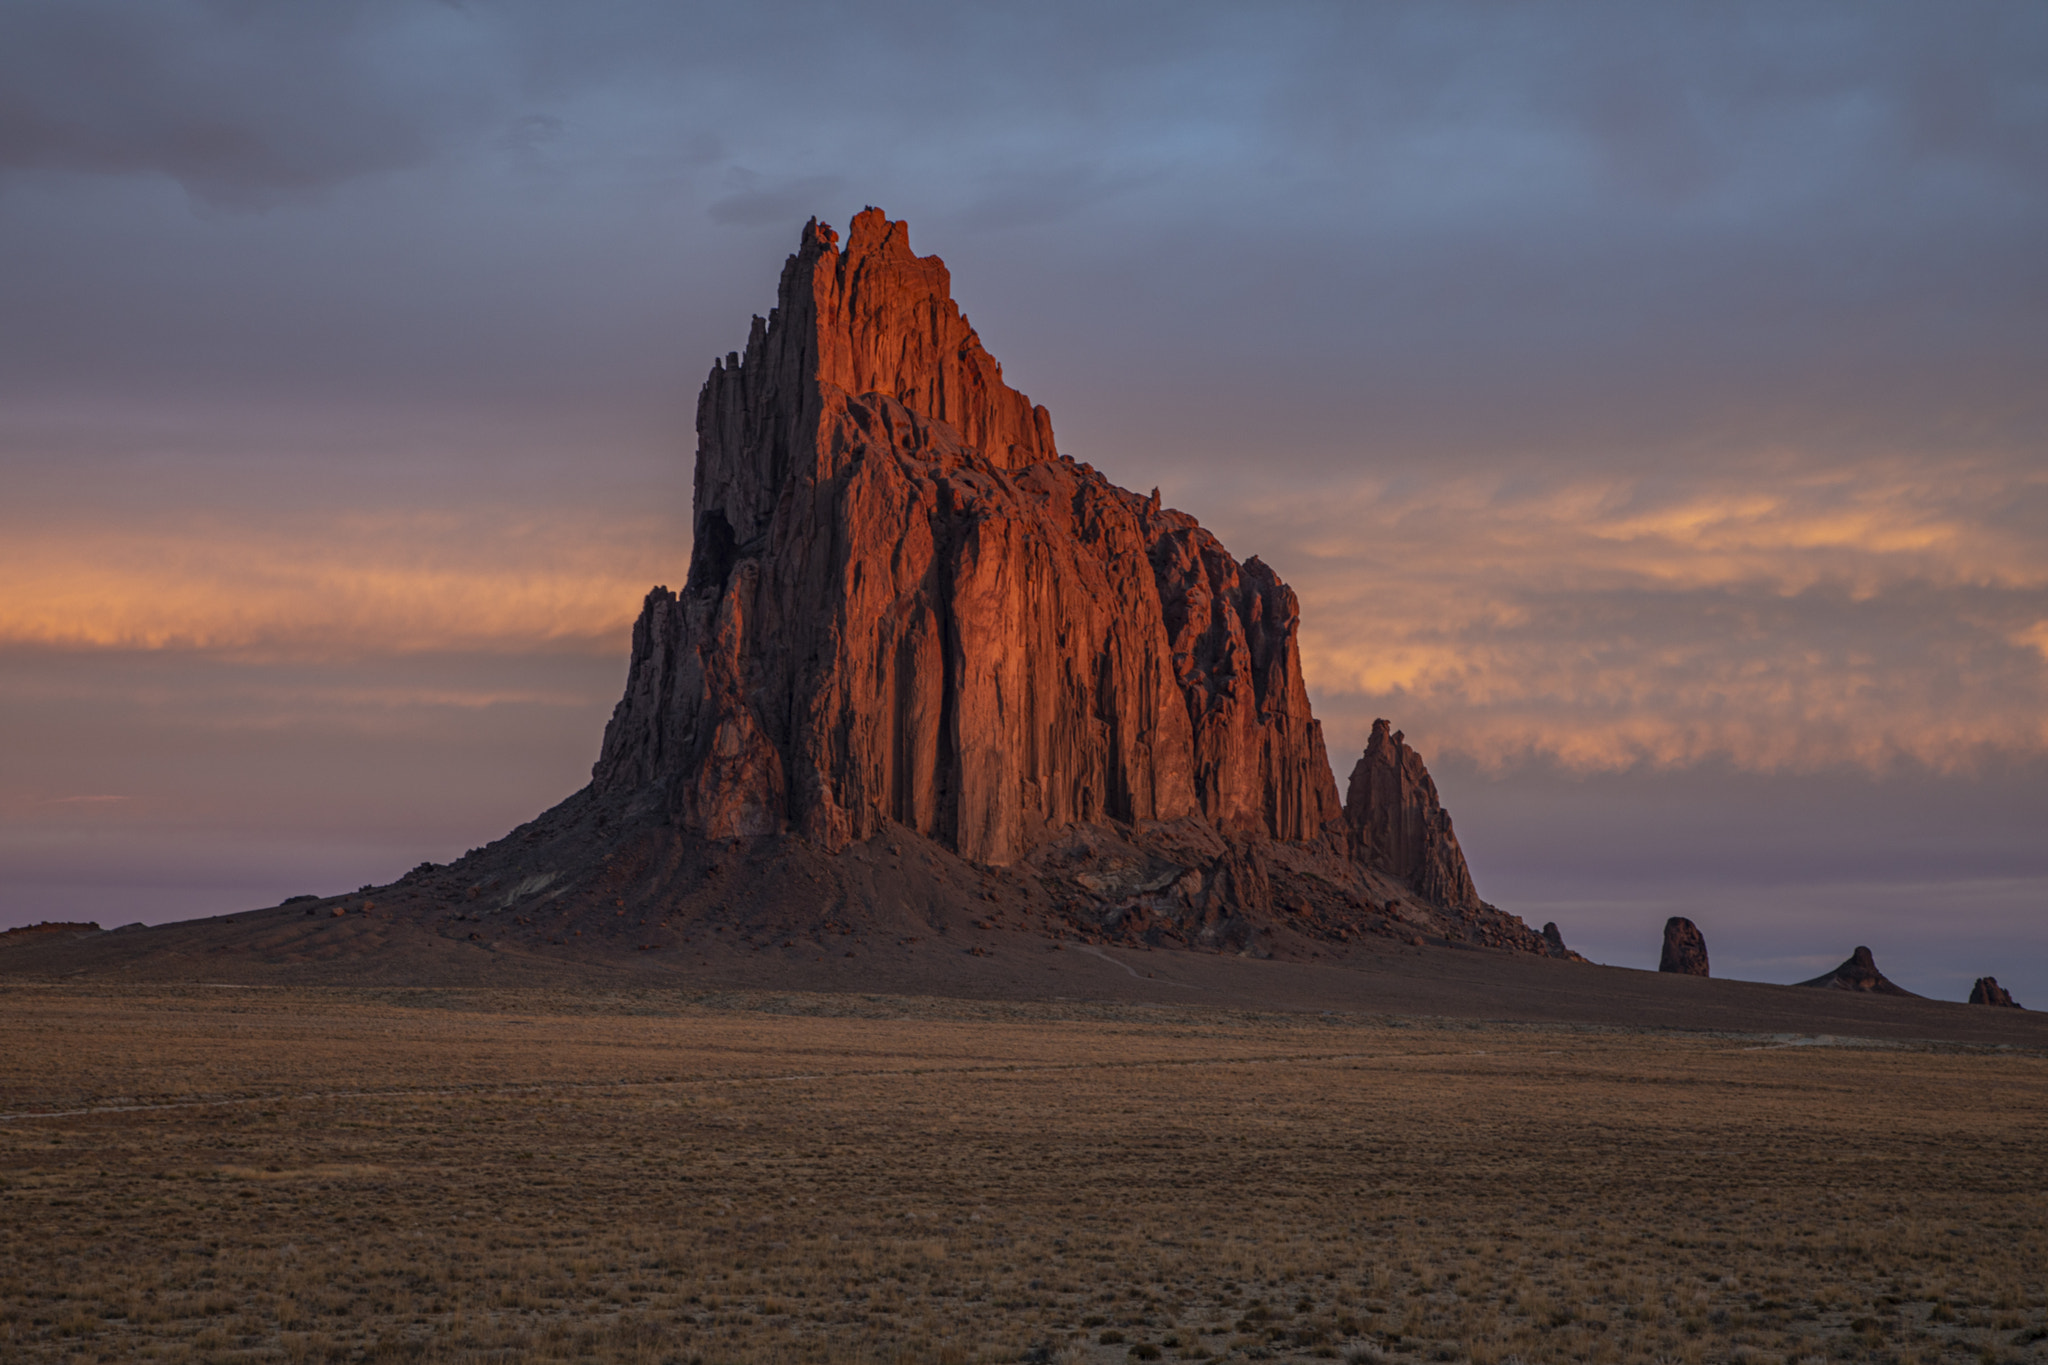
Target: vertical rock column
(1685,948)
(1398,825)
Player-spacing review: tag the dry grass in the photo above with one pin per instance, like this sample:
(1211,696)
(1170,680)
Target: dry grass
(466,1176)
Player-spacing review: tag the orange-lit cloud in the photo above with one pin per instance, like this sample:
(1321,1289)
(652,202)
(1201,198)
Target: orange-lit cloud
(490,579)
(1774,617)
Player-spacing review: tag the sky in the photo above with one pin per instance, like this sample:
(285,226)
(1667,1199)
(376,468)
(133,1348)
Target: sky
(1646,402)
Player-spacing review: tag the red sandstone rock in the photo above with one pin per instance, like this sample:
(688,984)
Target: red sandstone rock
(928,616)
(1685,948)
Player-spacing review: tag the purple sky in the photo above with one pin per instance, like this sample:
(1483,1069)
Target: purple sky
(1646,401)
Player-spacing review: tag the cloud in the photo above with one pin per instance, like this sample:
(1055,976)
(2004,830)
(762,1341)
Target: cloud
(1781,615)
(342,585)
(753,203)
(246,778)
(240,104)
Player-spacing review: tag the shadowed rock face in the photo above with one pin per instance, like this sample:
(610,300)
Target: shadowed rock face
(1859,973)
(1987,991)
(906,610)
(1685,948)
(1398,824)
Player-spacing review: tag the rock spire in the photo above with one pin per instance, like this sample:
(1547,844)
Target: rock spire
(1685,948)
(1397,822)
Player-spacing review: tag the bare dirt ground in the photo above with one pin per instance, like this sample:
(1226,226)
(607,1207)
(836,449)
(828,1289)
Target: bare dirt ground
(642,1173)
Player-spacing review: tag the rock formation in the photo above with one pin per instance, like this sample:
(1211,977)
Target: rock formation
(908,615)
(52,927)
(1398,824)
(1685,948)
(1859,973)
(904,606)
(1987,991)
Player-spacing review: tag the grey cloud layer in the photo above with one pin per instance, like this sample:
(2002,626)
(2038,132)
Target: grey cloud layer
(1655,210)
(239,103)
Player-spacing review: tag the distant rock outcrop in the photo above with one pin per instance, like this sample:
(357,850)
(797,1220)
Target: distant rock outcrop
(52,926)
(1685,948)
(1987,991)
(907,613)
(1859,973)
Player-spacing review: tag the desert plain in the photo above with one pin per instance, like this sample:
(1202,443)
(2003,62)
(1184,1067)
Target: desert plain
(235,1172)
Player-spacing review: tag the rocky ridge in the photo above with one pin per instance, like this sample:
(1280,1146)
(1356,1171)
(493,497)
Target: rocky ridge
(23,931)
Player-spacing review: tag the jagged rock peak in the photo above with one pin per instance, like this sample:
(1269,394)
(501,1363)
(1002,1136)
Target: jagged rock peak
(1859,973)
(1987,991)
(887,323)
(1685,948)
(875,318)
(1398,823)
